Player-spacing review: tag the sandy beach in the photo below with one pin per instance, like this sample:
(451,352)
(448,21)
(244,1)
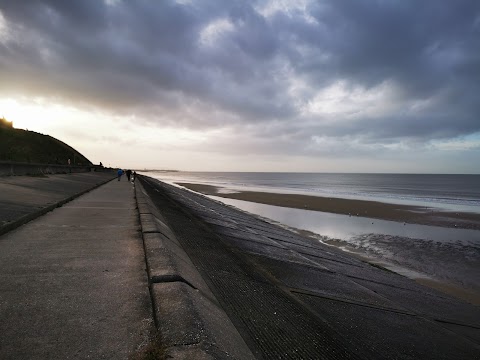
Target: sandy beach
(370,209)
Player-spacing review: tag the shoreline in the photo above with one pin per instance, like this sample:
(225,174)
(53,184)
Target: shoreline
(371,209)
(363,208)
(469,295)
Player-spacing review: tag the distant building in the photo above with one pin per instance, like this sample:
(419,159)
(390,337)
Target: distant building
(4,123)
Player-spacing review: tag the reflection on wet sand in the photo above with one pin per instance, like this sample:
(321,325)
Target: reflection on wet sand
(443,258)
(351,207)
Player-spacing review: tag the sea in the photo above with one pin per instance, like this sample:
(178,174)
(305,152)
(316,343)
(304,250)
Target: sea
(446,255)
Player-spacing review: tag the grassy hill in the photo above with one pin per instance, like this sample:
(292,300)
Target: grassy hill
(28,146)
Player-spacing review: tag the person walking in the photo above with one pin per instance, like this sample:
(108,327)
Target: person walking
(119,174)
(134,176)
(128,172)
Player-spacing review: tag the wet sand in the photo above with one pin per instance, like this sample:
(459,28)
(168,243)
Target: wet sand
(470,295)
(363,208)
(372,209)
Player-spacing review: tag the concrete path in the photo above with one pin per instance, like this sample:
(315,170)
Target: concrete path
(73,282)
(23,198)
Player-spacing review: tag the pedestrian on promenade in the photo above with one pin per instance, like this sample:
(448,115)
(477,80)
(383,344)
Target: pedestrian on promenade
(128,172)
(119,174)
(134,176)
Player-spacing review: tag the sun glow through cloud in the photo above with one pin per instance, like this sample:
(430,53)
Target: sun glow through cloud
(30,115)
(100,135)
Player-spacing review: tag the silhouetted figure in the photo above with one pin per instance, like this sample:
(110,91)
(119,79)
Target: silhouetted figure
(119,174)
(129,172)
(134,176)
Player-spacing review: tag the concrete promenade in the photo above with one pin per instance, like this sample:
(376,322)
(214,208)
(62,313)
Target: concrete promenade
(127,268)
(24,198)
(72,282)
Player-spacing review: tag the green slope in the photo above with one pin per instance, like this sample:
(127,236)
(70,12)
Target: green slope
(28,146)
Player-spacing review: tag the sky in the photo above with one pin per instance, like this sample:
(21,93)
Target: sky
(215,85)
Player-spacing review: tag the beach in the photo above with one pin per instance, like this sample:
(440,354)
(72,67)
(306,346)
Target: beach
(363,208)
(443,266)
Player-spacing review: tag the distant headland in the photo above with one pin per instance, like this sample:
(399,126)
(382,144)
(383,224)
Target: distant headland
(156,170)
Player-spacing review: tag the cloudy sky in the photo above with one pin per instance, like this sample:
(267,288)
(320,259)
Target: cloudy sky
(267,85)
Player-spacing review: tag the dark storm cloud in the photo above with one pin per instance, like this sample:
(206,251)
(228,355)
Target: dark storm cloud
(152,58)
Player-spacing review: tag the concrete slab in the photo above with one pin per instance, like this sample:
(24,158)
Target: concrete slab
(427,304)
(166,262)
(189,319)
(148,223)
(324,283)
(189,352)
(391,335)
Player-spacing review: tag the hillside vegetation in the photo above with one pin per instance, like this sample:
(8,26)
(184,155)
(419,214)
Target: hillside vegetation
(28,146)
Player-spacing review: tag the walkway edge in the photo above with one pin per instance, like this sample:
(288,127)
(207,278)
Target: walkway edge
(32,216)
(190,321)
